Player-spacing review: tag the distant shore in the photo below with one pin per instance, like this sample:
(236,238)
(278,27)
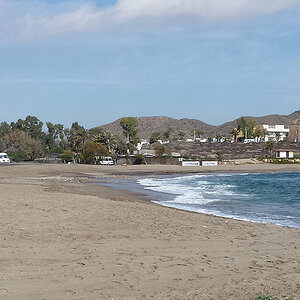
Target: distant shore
(63,238)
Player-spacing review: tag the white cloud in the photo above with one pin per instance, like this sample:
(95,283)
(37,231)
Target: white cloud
(204,9)
(37,20)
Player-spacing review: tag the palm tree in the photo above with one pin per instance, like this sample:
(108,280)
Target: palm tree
(259,132)
(277,136)
(218,137)
(166,135)
(235,133)
(198,133)
(262,134)
(155,136)
(269,145)
(220,156)
(77,136)
(181,135)
(105,138)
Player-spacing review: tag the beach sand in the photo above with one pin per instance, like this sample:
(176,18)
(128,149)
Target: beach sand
(63,237)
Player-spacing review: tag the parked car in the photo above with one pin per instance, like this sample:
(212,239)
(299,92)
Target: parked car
(108,160)
(4,158)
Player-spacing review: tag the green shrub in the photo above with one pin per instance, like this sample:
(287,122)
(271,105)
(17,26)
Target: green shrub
(17,156)
(67,156)
(139,159)
(57,150)
(283,161)
(269,297)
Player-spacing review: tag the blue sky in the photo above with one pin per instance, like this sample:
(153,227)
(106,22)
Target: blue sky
(95,61)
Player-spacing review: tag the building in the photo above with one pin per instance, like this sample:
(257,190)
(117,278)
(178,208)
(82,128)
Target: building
(141,144)
(283,153)
(294,134)
(276,132)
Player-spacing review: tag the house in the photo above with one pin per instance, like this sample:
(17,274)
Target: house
(141,144)
(294,134)
(201,140)
(276,132)
(283,153)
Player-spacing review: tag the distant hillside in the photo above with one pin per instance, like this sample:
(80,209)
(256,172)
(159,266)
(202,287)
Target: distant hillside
(295,115)
(268,120)
(147,125)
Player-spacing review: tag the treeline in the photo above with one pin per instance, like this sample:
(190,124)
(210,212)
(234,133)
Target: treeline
(29,139)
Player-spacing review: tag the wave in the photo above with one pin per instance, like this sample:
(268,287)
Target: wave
(251,197)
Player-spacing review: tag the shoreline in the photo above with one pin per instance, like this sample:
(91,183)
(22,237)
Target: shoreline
(63,238)
(133,186)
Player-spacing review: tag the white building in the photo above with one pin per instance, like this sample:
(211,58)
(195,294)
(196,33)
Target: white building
(276,132)
(284,154)
(141,144)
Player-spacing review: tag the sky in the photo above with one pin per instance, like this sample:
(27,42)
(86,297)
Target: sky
(98,60)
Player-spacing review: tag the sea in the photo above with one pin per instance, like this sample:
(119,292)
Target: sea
(258,197)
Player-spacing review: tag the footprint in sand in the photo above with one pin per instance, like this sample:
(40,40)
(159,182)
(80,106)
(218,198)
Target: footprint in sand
(3,291)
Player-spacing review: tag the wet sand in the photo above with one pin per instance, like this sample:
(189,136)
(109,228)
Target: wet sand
(63,237)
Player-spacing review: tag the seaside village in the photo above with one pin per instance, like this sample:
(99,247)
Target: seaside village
(124,143)
(267,143)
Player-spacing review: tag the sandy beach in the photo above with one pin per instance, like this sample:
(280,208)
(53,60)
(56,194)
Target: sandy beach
(63,237)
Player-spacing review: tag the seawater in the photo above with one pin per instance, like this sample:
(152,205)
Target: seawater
(264,197)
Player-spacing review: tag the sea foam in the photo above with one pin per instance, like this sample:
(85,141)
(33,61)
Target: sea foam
(267,198)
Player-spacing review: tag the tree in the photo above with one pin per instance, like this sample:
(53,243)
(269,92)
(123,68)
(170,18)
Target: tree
(198,133)
(235,132)
(77,137)
(55,131)
(120,148)
(259,132)
(247,127)
(155,136)
(91,150)
(65,143)
(269,145)
(4,129)
(18,125)
(167,134)
(181,135)
(105,138)
(159,150)
(21,144)
(220,155)
(33,126)
(218,137)
(130,129)
(277,136)
(67,156)
(2,144)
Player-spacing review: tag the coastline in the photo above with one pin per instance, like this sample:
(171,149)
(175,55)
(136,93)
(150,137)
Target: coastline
(65,238)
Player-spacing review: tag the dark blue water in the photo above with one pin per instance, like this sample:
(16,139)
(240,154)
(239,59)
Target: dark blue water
(265,197)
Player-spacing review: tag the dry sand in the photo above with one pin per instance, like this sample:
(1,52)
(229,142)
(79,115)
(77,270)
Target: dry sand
(62,238)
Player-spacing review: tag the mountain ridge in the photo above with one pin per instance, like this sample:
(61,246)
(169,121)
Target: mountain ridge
(149,124)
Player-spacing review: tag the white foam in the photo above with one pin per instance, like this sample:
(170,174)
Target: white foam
(199,192)
(187,193)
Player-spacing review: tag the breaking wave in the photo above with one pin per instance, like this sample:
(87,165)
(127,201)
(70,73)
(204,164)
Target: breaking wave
(267,198)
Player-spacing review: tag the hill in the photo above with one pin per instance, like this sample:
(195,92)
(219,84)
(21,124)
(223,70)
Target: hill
(269,120)
(147,125)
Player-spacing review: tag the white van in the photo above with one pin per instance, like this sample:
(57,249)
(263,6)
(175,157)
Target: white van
(4,158)
(107,161)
